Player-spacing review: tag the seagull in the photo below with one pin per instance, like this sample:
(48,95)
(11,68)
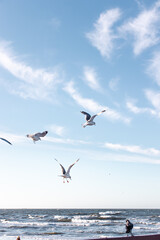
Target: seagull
(6,140)
(89,118)
(37,136)
(65,174)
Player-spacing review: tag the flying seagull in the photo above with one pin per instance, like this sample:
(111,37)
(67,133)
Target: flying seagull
(6,140)
(37,136)
(65,174)
(89,118)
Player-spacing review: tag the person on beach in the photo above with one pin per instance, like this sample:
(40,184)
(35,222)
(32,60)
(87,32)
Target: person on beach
(129,227)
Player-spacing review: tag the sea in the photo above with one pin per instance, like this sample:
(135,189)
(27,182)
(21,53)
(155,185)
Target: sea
(64,224)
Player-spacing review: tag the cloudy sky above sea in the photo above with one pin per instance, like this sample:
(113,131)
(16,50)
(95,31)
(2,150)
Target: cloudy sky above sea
(58,58)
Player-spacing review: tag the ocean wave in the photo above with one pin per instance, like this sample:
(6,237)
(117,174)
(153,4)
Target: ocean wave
(30,216)
(51,233)
(89,221)
(98,217)
(112,218)
(59,218)
(36,216)
(74,224)
(64,220)
(110,212)
(22,224)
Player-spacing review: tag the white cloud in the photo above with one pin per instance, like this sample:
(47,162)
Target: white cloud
(65,141)
(137,110)
(102,36)
(93,106)
(113,84)
(154,71)
(154,98)
(28,82)
(58,130)
(154,67)
(145,28)
(125,158)
(96,155)
(91,78)
(133,149)
(22,139)
(13,138)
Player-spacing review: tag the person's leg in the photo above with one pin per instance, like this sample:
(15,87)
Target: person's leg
(131,233)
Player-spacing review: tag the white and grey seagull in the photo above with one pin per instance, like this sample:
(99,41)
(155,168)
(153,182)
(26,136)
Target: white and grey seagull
(65,174)
(37,136)
(89,118)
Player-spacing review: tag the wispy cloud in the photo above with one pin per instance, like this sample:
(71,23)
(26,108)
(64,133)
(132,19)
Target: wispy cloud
(13,138)
(27,82)
(154,98)
(113,84)
(141,154)
(144,28)
(66,141)
(133,149)
(93,106)
(154,67)
(118,157)
(22,139)
(91,78)
(139,110)
(102,37)
(58,130)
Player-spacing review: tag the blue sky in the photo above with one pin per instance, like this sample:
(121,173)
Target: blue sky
(58,58)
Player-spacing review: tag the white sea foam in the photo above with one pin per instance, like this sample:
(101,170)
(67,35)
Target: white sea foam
(110,212)
(60,217)
(105,216)
(88,222)
(15,223)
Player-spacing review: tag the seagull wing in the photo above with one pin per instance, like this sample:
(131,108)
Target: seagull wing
(71,166)
(36,135)
(88,116)
(41,134)
(63,169)
(6,140)
(91,119)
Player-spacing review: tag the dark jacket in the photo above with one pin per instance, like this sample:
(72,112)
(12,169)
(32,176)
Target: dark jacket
(129,227)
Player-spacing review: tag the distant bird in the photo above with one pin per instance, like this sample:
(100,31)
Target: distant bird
(65,174)
(6,140)
(37,136)
(89,118)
